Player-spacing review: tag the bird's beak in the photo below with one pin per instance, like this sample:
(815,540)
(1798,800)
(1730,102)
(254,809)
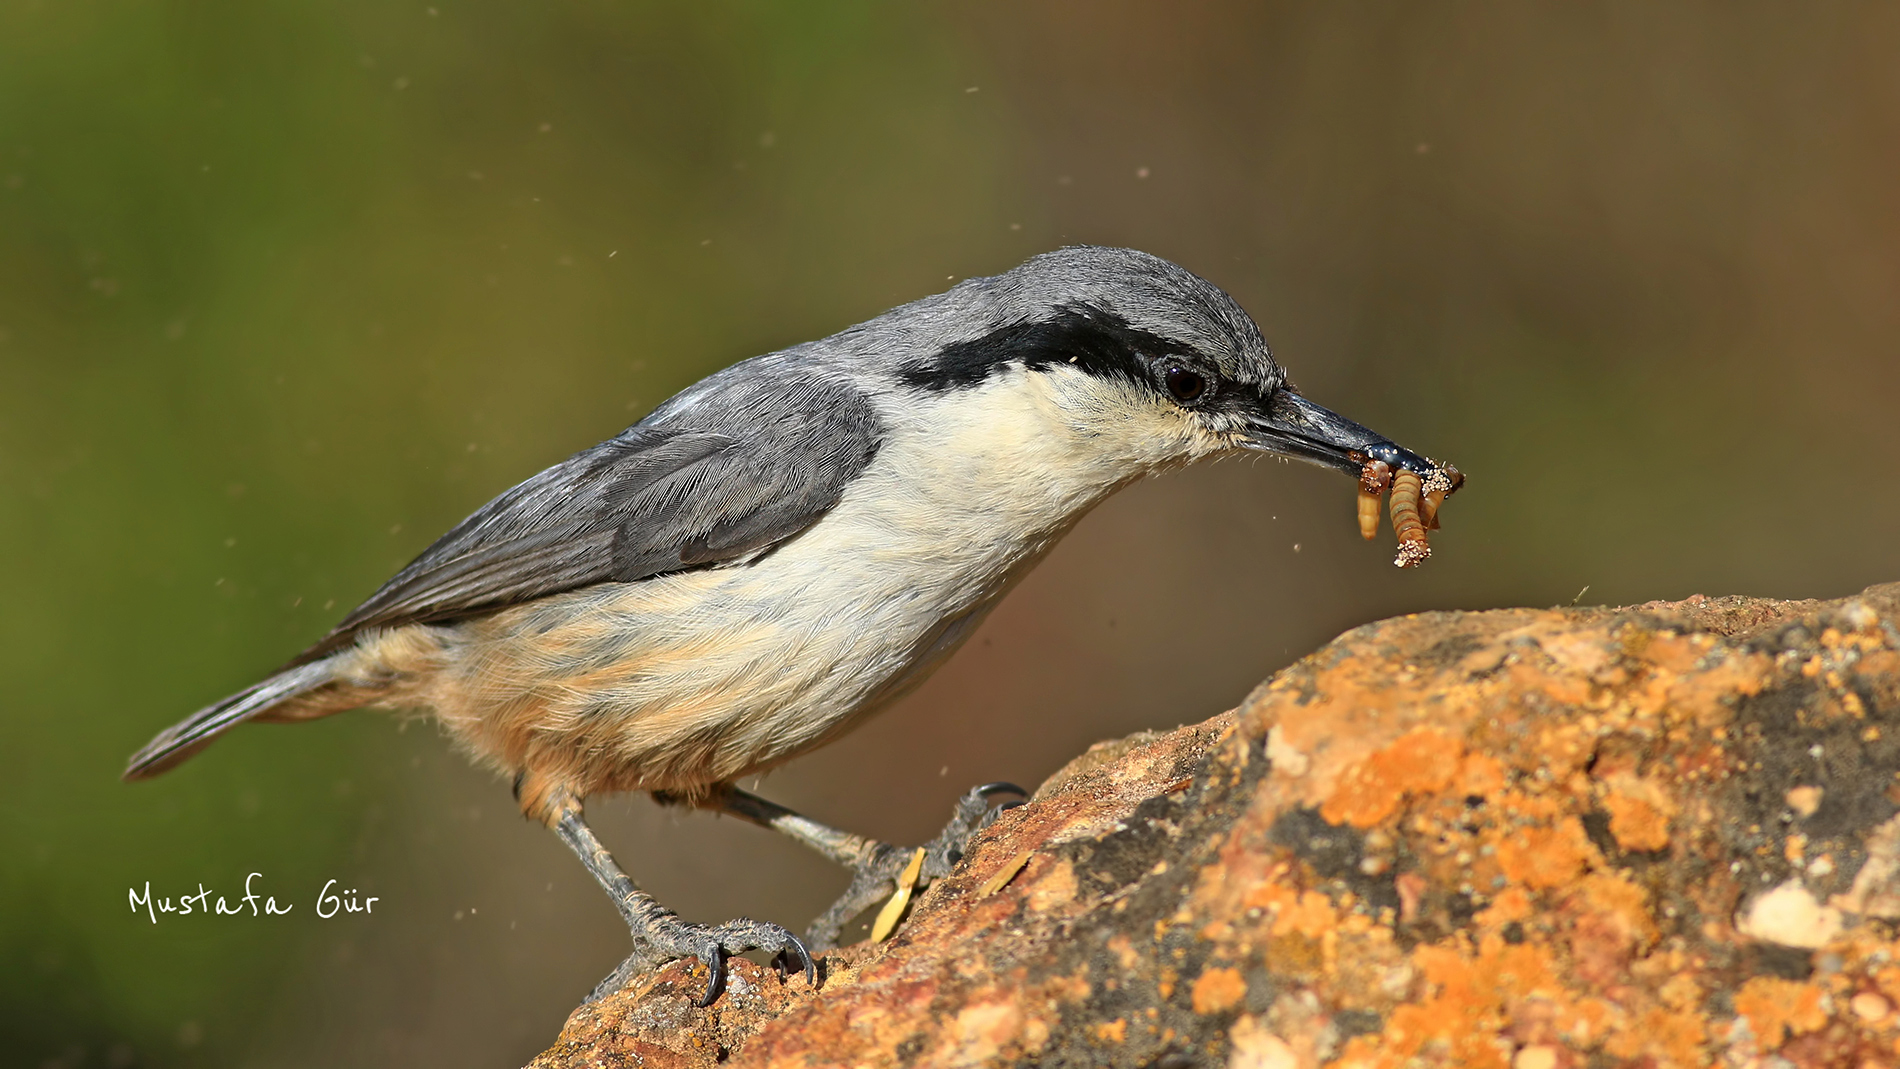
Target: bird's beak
(1289,425)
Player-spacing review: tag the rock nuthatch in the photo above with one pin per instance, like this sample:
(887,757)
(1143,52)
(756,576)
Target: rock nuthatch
(784,548)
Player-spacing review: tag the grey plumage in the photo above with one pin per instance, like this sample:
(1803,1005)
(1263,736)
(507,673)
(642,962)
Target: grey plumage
(748,458)
(197,731)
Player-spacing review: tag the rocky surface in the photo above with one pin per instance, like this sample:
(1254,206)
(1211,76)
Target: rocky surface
(1666,835)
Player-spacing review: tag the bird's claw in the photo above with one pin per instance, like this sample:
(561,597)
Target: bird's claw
(671,938)
(975,811)
(876,878)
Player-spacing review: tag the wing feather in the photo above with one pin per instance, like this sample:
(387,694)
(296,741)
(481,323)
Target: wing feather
(734,466)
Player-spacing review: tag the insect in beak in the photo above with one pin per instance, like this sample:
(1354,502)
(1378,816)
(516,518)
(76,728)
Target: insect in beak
(1289,425)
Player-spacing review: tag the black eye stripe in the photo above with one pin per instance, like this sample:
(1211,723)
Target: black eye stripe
(1097,342)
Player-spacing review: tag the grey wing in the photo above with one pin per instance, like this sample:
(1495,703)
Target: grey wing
(727,469)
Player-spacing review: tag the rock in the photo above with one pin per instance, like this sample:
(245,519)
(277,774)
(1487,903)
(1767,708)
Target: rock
(1662,835)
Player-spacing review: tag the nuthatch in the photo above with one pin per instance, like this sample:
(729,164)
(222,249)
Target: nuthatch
(784,548)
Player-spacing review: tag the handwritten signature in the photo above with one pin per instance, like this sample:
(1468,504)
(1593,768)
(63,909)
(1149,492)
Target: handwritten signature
(330,902)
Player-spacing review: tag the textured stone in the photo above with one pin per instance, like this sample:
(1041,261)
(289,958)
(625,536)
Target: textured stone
(1661,835)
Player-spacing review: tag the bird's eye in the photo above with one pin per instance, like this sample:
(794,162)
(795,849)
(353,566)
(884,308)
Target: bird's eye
(1185,385)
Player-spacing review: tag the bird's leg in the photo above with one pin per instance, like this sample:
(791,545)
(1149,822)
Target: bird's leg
(874,865)
(659,935)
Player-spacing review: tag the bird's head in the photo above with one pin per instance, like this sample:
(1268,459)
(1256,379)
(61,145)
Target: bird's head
(1142,358)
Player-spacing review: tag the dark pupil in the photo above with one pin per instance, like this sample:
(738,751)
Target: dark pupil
(1185,385)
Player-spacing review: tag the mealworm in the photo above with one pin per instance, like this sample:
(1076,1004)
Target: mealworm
(1368,516)
(1406,490)
(1373,477)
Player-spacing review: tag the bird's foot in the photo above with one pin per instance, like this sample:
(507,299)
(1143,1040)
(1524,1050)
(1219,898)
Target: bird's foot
(879,875)
(664,937)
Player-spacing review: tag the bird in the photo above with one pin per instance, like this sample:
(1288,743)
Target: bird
(786,547)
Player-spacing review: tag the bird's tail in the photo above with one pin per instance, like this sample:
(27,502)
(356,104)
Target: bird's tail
(195,732)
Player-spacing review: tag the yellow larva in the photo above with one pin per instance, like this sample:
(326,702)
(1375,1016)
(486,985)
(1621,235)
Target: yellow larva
(1368,516)
(1373,478)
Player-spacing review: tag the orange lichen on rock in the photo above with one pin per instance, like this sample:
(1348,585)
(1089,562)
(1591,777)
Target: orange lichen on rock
(1666,836)
(1471,1000)
(1218,989)
(1777,1008)
(1661,1037)
(1480,776)
(1420,761)
(1639,814)
(1311,915)
(1621,903)
(1545,856)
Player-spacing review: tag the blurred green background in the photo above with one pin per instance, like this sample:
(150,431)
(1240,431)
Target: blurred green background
(287,288)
